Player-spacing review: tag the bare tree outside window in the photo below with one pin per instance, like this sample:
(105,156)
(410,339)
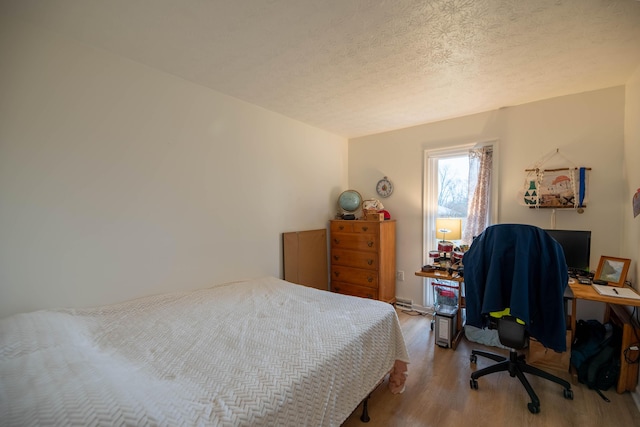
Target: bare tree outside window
(453,187)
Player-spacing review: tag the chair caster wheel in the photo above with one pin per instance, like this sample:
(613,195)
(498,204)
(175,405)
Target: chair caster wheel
(473,384)
(568,393)
(473,358)
(533,408)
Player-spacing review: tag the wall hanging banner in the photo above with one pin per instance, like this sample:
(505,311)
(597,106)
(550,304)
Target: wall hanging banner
(559,188)
(555,188)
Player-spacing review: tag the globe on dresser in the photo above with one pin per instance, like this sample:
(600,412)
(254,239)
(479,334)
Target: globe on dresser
(349,201)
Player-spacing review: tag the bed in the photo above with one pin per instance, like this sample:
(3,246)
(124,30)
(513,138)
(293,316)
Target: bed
(257,352)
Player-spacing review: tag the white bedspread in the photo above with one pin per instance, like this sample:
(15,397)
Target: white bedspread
(257,353)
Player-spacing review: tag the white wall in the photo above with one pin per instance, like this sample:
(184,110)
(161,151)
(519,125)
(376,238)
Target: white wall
(631,241)
(587,128)
(117,180)
(631,168)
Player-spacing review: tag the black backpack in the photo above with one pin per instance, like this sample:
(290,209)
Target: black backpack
(596,354)
(603,369)
(591,337)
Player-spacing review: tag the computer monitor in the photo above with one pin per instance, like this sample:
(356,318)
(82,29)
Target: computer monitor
(576,245)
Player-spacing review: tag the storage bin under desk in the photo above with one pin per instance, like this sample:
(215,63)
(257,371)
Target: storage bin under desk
(461,305)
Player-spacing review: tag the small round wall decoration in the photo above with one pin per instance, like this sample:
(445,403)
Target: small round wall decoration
(384,187)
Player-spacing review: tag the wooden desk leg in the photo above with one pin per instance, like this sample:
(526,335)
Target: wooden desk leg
(628,379)
(628,371)
(574,304)
(572,325)
(456,339)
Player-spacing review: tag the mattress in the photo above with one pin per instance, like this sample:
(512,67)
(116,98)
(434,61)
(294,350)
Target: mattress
(258,352)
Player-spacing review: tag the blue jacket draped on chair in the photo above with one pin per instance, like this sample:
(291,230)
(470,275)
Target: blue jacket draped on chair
(522,268)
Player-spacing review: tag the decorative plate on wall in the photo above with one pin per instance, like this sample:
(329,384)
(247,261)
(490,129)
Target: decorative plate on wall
(384,187)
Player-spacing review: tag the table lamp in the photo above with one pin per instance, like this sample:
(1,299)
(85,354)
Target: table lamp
(450,228)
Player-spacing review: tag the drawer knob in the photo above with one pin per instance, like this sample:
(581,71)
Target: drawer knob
(336,257)
(370,261)
(365,228)
(336,273)
(370,244)
(336,241)
(369,279)
(341,227)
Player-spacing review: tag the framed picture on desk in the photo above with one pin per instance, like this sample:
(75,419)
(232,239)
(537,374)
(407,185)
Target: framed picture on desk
(612,270)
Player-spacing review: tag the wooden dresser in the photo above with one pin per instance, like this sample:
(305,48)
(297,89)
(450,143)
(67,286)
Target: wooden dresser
(363,258)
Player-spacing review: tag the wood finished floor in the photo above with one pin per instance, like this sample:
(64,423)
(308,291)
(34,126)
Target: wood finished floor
(438,394)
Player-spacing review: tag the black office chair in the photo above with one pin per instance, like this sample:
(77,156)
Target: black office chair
(515,272)
(512,334)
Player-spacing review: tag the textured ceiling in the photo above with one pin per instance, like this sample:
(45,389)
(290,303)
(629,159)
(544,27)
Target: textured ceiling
(360,67)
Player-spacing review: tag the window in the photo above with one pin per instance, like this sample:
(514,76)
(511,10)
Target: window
(458,184)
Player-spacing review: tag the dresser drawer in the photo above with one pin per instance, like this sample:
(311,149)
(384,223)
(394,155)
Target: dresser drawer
(361,242)
(358,291)
(356,276)
(342,227)
(366,227)
(358,259)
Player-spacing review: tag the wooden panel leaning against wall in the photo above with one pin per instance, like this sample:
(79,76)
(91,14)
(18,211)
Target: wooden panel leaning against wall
(305,258)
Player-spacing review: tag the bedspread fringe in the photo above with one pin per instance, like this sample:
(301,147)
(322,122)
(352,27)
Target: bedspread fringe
(398,377)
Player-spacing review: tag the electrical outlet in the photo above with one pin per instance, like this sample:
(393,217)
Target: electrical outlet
(400,276)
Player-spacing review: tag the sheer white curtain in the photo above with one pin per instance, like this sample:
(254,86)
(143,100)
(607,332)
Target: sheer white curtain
(478,212)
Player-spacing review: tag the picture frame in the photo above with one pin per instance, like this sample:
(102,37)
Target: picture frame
(613,270)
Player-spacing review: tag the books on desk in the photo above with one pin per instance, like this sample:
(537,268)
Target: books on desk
(616,292)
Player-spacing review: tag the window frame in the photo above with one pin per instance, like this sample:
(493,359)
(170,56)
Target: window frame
(430,193)
(430,186)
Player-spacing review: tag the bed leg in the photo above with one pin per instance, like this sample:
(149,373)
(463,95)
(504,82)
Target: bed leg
(365,410)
